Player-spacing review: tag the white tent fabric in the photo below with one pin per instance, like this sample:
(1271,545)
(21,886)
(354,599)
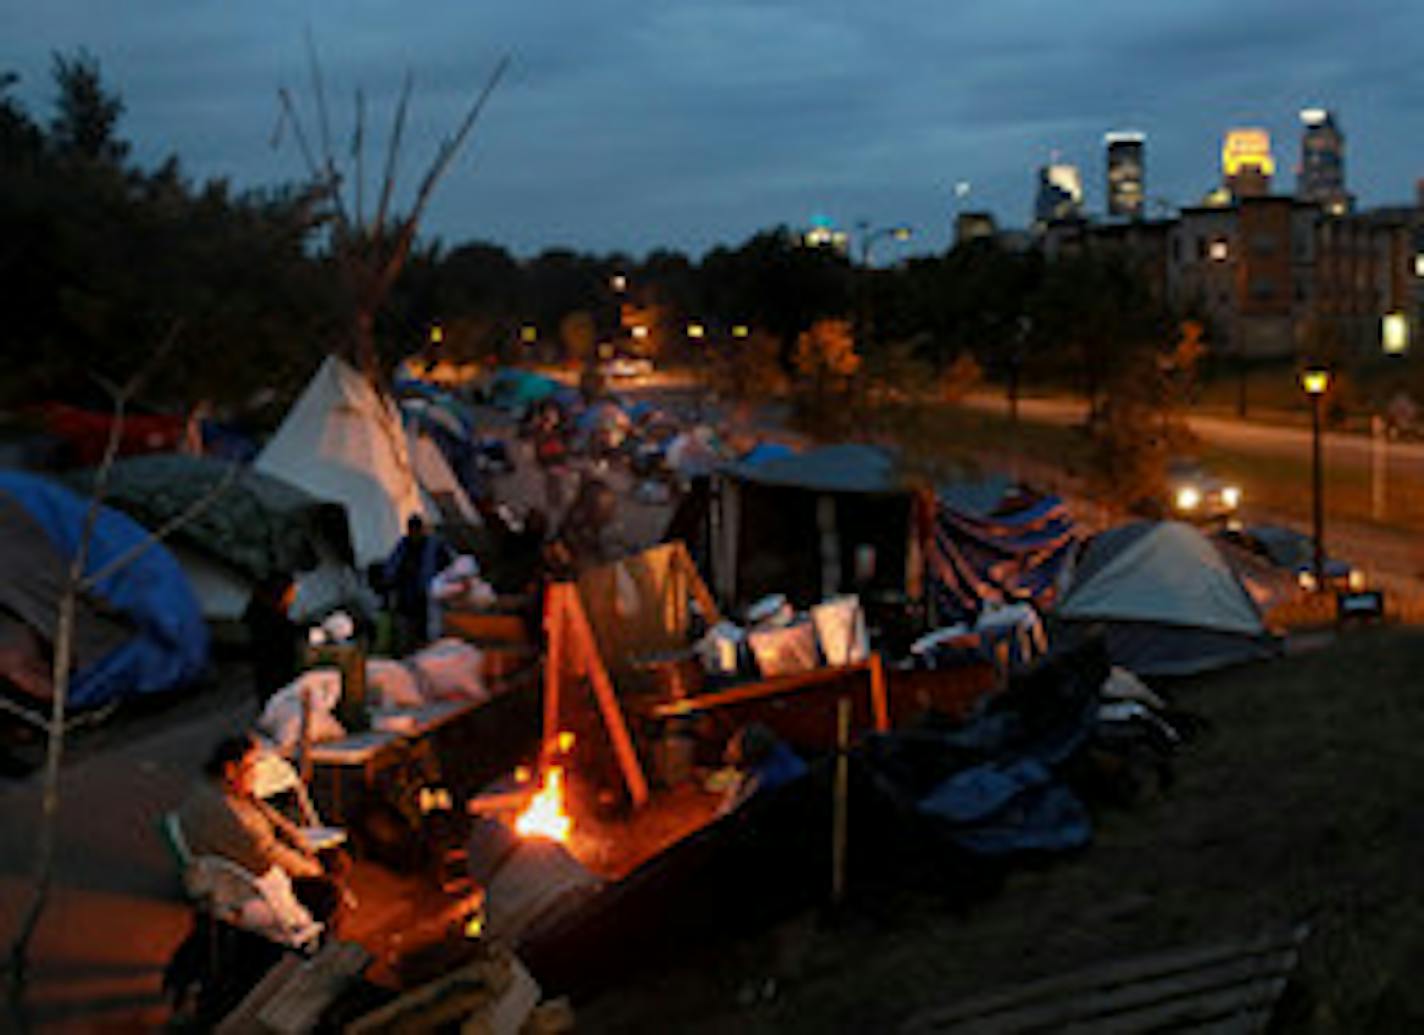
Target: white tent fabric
(433,473)
(343,442)
(1170,574)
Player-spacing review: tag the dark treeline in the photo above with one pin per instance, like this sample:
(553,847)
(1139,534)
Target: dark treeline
(104,262)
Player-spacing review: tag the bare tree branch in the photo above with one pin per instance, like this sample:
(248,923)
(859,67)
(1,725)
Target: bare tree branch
(33,718)
(333,176)
(161,533)
(388,180)
(358,154)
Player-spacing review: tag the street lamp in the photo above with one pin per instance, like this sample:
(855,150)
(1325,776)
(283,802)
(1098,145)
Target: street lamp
(1394,333)
(869,238)
(1316,382)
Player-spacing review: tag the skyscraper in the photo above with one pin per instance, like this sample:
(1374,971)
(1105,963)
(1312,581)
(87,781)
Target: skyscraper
(1322,162)
(1246,162)
(1060,193)
(1126,174)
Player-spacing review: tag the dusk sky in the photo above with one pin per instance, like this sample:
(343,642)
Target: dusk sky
(628,126)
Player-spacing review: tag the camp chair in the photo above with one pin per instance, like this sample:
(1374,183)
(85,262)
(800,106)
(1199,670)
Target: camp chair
(224,890)
(275,777)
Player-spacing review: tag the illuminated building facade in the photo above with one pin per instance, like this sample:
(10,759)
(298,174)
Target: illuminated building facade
(1126,180)
(1246,163)
(1060,194)
(974,226)
(825,234)
(1322,162)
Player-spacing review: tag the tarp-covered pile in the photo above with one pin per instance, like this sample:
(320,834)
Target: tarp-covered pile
(138,630)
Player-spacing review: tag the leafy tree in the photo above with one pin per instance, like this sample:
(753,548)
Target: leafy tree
(87,115)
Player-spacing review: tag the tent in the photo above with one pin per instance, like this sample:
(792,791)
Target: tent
(343,442)
(137,631)
(260,526)
(1167,602)
(513,389)
(812,525)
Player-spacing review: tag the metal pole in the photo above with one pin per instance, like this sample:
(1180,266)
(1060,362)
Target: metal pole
(1317,492)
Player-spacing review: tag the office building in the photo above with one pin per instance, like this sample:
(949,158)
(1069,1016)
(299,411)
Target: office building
(1322,162)
(1060,194)
(1246,163)
(1125,173)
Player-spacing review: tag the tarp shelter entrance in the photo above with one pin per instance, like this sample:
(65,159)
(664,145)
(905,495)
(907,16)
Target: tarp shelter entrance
(342,441)
(812,525)
(137,631)
(1168,602)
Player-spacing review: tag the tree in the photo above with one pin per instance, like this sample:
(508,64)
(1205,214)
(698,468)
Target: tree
(87,114)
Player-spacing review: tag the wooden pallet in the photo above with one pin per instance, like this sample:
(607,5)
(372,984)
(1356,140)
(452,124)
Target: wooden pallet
(1231,987)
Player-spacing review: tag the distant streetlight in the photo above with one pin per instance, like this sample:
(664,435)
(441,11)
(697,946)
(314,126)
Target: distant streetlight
(639,331)
(618,282)
(529,334)
(696,331)
(1394,333)
(740,330)
(1316,382)
(437,334)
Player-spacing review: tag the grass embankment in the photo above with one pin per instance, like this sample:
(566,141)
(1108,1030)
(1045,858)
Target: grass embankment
(1302,802)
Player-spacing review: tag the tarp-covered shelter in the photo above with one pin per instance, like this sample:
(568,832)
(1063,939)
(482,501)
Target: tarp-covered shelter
(138,630)
(512,388)
(814,524)
(992,544)
(1166,600)
(343,441)
(259,526)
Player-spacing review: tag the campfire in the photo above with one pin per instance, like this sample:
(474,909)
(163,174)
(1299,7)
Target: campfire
(545,815)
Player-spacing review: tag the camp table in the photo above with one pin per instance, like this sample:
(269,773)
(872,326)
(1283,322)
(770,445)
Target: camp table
(393,735)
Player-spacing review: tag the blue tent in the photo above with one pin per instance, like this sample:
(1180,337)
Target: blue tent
(138,630)
(512,388)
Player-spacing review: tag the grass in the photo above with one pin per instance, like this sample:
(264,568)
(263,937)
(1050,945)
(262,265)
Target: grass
(1302,802)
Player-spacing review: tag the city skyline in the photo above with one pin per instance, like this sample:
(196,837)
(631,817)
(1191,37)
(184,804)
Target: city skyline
(696,125)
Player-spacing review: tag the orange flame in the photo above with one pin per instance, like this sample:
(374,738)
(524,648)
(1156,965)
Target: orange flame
(545,816)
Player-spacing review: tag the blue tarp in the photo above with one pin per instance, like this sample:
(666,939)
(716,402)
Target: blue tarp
(1004,809)
(169,647)
(998,558)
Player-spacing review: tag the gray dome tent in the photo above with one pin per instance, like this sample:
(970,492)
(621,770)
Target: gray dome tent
(1166,600)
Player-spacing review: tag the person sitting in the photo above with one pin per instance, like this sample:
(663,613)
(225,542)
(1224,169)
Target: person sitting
(222,816)
(762,761)
(417,558)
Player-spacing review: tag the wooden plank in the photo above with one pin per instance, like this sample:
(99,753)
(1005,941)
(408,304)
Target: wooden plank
(313,987)
(242,1019)
(445,1000)
(1179,1014)
(1118,972)
(1120,1007)
(761,689)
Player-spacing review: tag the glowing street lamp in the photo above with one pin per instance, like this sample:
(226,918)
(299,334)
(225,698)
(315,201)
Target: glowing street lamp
(618,282)
(437,334)
(740,330)
(529,334)
(696,331)
(1316,382)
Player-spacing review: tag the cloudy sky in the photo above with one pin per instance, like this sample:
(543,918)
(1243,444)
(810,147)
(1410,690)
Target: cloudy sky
(634,124)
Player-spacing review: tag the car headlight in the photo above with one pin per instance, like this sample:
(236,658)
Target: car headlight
(1188,498)
(1356,580)
(1231,496)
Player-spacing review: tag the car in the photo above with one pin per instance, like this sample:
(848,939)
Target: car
(1195,494)
(1293,551)
(628,367)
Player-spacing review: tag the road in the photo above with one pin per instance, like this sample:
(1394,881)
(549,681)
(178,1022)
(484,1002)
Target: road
(1393,556)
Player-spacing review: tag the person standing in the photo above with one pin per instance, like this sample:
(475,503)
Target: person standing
(417,559)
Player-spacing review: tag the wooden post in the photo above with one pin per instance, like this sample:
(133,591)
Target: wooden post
(555,614)
(838,801)
(304,759)
(607,699)
(1379,469)
(879,705)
